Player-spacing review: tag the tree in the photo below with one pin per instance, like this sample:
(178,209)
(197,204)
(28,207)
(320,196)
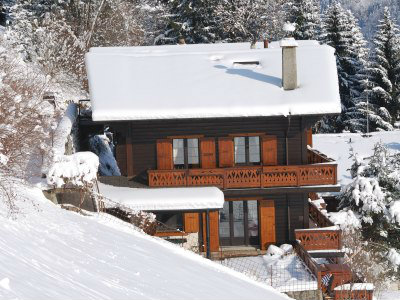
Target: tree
(192,20)
(306,15)
(250,20)
(374,196)
(342,32)
(384,72)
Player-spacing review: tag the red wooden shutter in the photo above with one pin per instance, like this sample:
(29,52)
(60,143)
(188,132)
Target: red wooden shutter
(207,153)
(267,223)
(226,152)
(269,150)
(164,155)
(214,231)
(191,222)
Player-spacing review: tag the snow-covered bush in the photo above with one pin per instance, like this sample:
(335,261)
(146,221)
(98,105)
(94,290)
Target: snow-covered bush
(25,118)
(76,170)
(374,197)
(101,145)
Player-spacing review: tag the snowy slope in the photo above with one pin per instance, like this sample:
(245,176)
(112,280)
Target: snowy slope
(50,253)
(337,146)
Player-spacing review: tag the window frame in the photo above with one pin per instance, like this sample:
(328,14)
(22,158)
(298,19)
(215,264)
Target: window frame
(186,164)
(247,150)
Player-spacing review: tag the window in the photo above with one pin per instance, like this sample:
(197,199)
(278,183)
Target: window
(186,153)
(247,150)
(171,221)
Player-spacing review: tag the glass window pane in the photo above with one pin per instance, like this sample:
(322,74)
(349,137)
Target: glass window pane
(193,151)
(254,149)
(170,221)
(224,231)
(178,151)
(252,217)
(238,219)
(240,149)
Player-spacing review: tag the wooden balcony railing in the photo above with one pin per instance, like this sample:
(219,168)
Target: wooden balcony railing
(318,217)
(316,157)
(247,177)
(319,239)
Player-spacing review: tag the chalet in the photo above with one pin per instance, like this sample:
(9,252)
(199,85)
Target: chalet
(223,116)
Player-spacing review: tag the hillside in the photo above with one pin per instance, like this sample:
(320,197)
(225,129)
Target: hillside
(50,253)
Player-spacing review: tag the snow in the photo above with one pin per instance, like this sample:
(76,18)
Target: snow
(50,253)
(289,42)
(138,83)
(345,219)
(355,287)
(337,146)
(100,144)
(289,27)
(285,271)
(78,169)
(156,199)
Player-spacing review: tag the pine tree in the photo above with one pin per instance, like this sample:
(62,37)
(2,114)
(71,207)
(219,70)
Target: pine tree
(306,15)
(192,20)
(342,32)
(384,87)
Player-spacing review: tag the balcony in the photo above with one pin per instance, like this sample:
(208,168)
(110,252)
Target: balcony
(247,177)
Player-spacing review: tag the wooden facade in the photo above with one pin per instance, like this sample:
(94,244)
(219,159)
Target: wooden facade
(277,183)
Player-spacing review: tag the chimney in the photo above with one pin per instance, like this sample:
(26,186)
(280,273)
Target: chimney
(266,43)
(289,64)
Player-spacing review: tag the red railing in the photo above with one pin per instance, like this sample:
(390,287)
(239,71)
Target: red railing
(247,177)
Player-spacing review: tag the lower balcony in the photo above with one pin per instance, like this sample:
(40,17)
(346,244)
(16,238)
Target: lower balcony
(247,177)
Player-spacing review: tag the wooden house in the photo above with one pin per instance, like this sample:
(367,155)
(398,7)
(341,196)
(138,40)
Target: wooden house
(221,115)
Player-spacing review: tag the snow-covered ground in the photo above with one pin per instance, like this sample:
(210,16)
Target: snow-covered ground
(50,253)
(337,146)
(280,269)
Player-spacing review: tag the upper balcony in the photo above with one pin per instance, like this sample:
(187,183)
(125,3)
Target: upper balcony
(247,177)
(319,171)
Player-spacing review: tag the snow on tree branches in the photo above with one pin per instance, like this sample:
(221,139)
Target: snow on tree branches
(374,196)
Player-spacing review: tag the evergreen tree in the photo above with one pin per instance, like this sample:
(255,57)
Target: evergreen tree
(192,20)
(384,86)
(342,32)
(374,196)
(306,15)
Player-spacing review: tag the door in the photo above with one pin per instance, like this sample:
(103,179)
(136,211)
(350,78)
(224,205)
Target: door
(239,223)
(267,223)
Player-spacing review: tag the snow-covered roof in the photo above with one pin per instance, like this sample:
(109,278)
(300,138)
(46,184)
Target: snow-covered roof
(209,80)
(196,198)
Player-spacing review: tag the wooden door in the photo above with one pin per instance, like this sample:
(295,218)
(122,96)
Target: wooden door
(269,150)
(226,152)
(267,223)
(191,222)
(120,156)
(164,155)
(207,153)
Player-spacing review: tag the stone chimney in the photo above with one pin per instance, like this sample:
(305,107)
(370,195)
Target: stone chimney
(289,64)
